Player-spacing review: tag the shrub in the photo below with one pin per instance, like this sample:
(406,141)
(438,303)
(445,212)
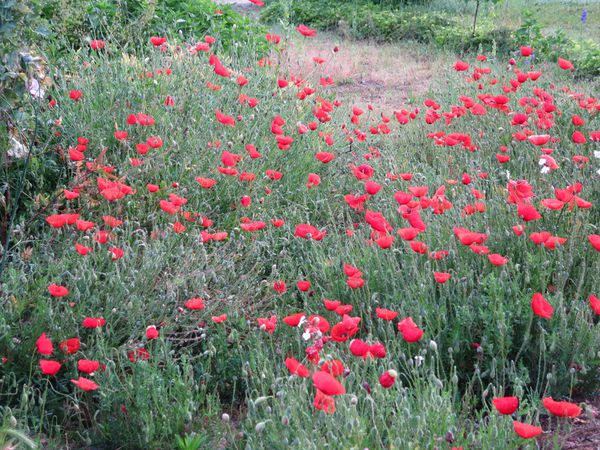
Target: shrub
(586,53)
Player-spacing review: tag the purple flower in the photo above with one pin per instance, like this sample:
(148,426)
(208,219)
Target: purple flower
(584,16)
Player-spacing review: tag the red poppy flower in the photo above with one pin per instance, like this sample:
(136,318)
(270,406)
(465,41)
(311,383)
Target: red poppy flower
(324,402)
(594,303)
(70,346)
(85,384)
(327,384)
(44,345)
(506,405)
(386,314)
(294,319)
(97,44)
(151,332)
(595,241)
(93,322)
(195,303)
(75,95)
(409,329)
(334,367)
(441,277)
(526,431)
(461,66)
(541,307)
(497,260)
(388,378)
(325,157)
(116,253)
(219,319)
(57,291)
(355,282)
(49,367)
(140,354)
(121,135)
(280,286)
(296,368)
(303,285)
(565,64)
(305,31)
(526,51)
(157,41)
(268,324)
(561,409)
(87,366)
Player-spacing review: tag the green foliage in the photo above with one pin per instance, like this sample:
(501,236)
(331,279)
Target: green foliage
(391,21)
(54,28)
(199,369)
(482,339)
(10,437)
(191,442)
(384,22)
(585,54)
(124,22)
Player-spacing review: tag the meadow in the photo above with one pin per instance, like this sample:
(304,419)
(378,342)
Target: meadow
(241,250)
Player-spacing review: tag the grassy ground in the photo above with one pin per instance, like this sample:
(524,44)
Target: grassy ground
(553,15)
(556,16)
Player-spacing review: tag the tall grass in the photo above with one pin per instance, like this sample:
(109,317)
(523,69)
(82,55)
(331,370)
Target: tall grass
(481,338)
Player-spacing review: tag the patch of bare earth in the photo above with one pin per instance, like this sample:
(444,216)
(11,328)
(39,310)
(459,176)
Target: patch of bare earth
(384,75)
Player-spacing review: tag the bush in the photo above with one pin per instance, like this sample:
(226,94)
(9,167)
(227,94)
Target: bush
(124,22)
(584,53)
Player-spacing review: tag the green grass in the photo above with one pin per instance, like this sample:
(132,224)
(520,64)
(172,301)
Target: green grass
(557,15)
(199,370)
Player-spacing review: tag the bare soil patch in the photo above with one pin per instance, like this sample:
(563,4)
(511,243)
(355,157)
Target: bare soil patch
(387,76)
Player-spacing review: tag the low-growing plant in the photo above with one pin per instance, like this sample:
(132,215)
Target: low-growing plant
(233,241)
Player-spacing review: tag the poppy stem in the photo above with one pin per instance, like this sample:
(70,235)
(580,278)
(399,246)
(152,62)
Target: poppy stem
(526,338)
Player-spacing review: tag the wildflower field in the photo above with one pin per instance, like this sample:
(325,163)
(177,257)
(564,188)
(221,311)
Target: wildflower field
(233,257)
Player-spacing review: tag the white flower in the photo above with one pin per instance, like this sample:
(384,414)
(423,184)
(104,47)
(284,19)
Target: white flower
(34,88)
(597,154)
